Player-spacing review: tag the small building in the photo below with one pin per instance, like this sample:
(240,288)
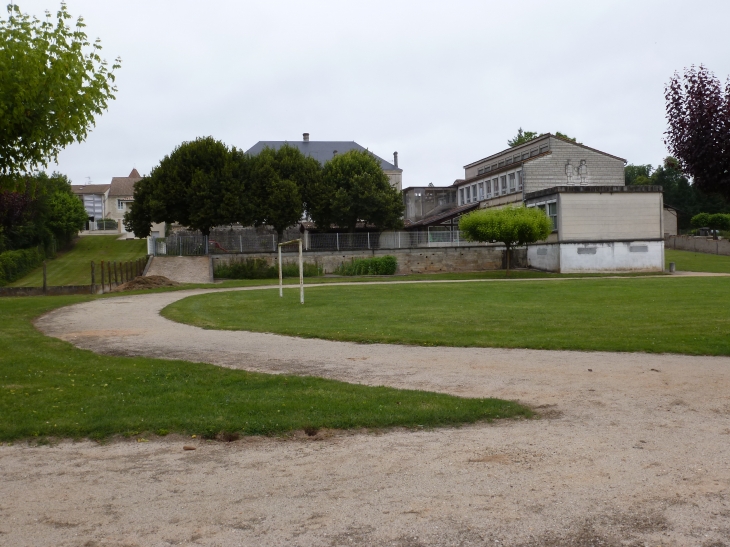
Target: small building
(323,151)
(94,198)
(600,228)
(120,197)
(425,201)
(670,220)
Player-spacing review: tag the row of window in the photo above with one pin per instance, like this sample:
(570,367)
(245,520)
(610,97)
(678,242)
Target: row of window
(508,183)
(514,159)
(551,210)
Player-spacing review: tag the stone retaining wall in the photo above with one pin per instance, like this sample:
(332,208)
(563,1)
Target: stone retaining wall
(698,244)
(410,261)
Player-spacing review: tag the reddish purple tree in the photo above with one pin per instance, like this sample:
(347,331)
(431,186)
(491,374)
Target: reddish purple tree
(698,112)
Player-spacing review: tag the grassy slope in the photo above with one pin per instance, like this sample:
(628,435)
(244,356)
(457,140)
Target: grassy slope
(73,267)
(688,261)
(50,388)
(679,315)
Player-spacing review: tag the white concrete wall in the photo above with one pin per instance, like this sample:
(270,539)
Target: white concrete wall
(544,257)
(608,217)
(635,256)
(670,222)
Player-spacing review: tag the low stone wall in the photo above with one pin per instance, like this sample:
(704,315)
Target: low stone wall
(410,261)
(50,291)
(698,244)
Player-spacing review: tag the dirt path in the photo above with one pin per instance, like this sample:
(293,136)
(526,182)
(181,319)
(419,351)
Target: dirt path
(634,451)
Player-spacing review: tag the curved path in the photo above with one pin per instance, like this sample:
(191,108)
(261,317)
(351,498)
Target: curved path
(632,447)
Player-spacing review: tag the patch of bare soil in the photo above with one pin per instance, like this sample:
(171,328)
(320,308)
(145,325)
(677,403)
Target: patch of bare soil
(149,282)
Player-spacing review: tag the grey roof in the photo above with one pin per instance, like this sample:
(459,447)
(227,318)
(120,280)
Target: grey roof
(80,189)
(444,215)
(123,187)
(319,150)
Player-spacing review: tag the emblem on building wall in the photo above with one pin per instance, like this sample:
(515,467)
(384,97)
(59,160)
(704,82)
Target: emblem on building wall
(580,173)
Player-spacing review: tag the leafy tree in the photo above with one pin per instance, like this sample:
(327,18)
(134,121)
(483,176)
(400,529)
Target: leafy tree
(715,222)
(53,84)
(698,114)
(355,189)
(509,225)
(191,186)
(564,136)
(279,201)
(521,138)
(66,216)
(637,174)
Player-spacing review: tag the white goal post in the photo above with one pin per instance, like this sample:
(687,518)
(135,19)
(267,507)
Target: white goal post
(301,271)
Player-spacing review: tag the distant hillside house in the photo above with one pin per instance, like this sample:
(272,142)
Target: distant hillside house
(326,150)
(94,198)
(121,197)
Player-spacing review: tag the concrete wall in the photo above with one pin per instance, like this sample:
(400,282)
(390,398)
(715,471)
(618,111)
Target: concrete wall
(550,170)
(607,217)
(441,259)
(636,256)
(699,244)
(670,222)
(544,257)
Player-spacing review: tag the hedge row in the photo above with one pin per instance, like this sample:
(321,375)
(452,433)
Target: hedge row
(384,265)
(15,264)
(258,268)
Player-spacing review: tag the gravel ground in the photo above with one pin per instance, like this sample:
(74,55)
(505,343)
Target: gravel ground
(631,449)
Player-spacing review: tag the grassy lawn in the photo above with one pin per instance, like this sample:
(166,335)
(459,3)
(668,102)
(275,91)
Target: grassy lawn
(677,315)
(73,267)
(688,261)
(48,388)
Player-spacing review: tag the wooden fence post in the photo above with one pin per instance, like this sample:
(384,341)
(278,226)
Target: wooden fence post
(109,272)
(102,277)
(45,284)
(93,278)
(116,279)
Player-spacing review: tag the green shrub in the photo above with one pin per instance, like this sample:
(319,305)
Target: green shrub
(15,264)
(258,268)
(384,265)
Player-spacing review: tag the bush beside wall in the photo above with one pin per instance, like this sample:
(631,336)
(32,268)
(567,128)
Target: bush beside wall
(15,264)
(384,265)
(258,268)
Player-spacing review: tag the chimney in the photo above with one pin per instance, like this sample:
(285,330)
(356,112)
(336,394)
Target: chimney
(395,159)
(306,137)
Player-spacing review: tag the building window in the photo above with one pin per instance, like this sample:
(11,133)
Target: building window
(552,212)
(525,155)
(486,169)
(503,183)
(481,191)
(495,186)
(501,163)
(511,182)
(461,196)
(480,171)
(494,166)
(543,148)
(519,180)
(508,160)
(534,152)
(489,188)
(468,194)
(474,192)
(120,205)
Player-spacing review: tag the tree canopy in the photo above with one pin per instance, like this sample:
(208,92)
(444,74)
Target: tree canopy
(355,189)
(510,225)
(526,136)
(53,84)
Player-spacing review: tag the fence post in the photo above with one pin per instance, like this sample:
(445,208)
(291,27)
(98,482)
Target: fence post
(240,243)
(93,278)
(45,285)
(116,279)
(273,242)
(399,240)
(109,271)
(337,234)
(102,277)
(368,240)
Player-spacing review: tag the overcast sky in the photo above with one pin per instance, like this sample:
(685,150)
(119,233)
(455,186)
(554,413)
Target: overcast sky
(443,83)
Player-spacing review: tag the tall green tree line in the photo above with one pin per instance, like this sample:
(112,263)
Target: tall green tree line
(203,184)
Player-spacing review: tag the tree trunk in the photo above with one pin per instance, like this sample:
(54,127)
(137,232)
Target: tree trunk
(508,253)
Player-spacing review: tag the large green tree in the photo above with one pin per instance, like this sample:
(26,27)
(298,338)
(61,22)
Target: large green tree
(512,226)
(355,189)
(195,186)
(53,84)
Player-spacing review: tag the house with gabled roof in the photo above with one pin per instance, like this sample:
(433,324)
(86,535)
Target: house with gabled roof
(121,196)
(323,151)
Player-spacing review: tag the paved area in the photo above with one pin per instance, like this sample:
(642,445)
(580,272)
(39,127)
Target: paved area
(632,449)
(183,269)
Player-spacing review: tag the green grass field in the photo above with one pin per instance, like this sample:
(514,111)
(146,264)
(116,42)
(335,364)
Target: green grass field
(677,315)
(48,388)
(73,267)
(687,261)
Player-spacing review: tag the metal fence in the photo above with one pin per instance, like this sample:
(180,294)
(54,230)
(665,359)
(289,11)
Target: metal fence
(186,244)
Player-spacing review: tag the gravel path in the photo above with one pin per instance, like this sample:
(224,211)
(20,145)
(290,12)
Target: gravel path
(632,449)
